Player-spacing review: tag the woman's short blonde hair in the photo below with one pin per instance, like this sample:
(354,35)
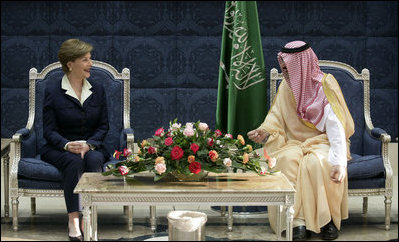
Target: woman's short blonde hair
(72,49)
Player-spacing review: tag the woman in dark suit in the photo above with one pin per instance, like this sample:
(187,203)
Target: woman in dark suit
(75,123)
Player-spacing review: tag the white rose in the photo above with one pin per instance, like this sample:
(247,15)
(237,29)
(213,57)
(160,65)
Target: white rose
(272,163)
(203,126)
(227,162)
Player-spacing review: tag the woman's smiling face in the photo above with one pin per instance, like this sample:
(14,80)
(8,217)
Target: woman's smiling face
(81,66)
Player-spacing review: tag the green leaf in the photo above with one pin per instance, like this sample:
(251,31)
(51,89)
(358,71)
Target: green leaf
(107,173)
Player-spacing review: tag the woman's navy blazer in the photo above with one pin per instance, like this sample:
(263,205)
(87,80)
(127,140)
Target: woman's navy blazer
(65,119)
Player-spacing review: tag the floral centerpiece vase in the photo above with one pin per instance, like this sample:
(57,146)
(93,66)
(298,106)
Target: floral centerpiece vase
(189,152)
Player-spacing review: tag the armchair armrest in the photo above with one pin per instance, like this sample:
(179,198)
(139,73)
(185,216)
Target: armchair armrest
(27,139)
(380,134)
(24,132)
(127,139)
(15,145)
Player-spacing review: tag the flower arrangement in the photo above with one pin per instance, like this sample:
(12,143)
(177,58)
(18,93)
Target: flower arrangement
(189,149)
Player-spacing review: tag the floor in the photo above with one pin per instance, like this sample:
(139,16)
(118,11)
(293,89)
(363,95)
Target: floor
(50,221)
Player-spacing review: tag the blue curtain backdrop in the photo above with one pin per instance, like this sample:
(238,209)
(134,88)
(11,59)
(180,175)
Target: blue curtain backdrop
(172,50)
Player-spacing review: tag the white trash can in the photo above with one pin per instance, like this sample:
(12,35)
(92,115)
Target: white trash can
(186,226)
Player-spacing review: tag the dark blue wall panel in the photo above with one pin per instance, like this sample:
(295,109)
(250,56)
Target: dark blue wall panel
(172,50)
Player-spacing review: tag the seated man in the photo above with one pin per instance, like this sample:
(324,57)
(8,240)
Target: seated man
(307,130)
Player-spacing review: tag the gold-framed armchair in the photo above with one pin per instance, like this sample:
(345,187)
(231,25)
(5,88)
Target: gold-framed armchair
(32,177)
(369,172)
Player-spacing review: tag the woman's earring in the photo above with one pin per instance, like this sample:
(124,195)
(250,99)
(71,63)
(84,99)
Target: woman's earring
(70,69)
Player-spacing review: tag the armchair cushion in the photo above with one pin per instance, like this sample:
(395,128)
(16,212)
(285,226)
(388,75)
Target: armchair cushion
(35,169)
(365,167)
(38,170)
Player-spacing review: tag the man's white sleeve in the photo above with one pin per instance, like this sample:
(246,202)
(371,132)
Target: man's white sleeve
(336,136)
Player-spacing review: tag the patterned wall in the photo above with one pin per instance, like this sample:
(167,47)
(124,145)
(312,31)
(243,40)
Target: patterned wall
(172,50)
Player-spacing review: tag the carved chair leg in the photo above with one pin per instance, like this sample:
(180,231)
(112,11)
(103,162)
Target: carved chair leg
(33,205)
(388,202)
(365,205)
(14,202)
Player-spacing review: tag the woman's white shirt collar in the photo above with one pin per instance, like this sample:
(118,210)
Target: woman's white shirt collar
(86,92)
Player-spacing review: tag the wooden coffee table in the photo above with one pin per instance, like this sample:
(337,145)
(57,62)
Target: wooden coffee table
(219,189)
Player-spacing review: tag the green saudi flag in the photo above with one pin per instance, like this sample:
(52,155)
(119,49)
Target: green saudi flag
(242,89)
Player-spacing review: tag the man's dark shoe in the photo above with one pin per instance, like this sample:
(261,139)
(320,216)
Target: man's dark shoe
(300,233)
(329,231)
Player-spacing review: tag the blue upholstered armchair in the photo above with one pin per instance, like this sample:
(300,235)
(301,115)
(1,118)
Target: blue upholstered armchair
(369,172)
(32,177)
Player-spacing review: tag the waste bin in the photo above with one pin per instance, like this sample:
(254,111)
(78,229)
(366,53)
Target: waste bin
(186,226)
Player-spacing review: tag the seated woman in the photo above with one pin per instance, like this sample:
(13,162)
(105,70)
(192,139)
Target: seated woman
(75,121)
(307,130)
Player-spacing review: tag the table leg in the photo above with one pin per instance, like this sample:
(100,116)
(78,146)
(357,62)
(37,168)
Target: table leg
(86,220)
(230,218)
(290,217)
(278,225)
(94,223)
(130,218)
(222,211)
(153,219)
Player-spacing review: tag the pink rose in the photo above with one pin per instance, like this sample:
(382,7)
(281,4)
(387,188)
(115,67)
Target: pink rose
(123,170)
(160,168)
(168,141)
(218,133)
(188,132)
(152,150)
(159,132)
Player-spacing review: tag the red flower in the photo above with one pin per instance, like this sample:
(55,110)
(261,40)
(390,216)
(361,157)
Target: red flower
(177,153)
(123,170)
(210,141)
(229,136)
(168,141)
(151,150)
(117,154)
(195,167)
(159,132)
(127,152)
(218,133)
(194,147)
